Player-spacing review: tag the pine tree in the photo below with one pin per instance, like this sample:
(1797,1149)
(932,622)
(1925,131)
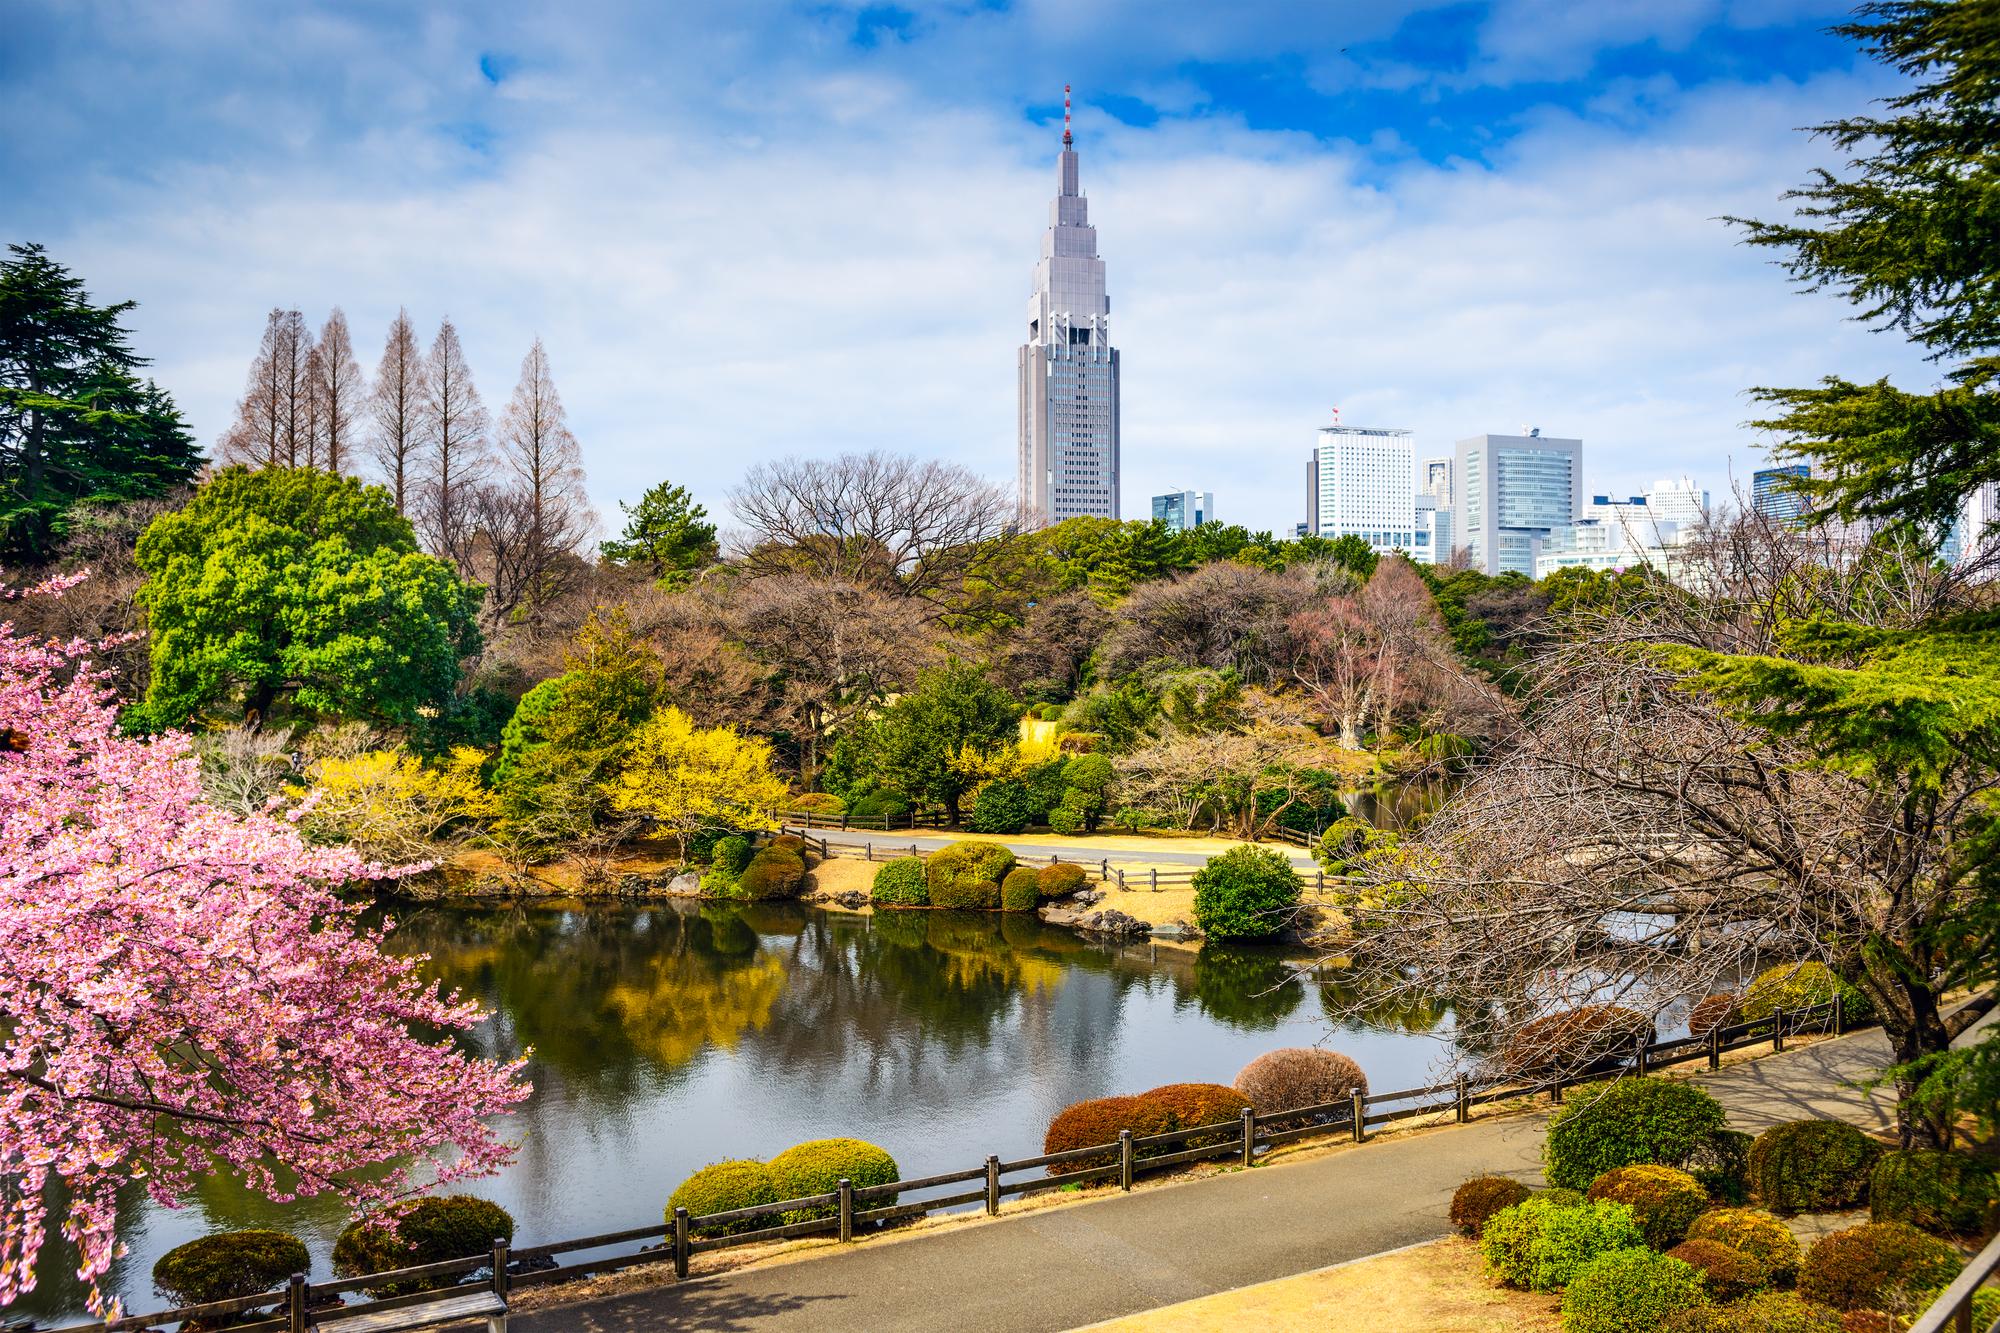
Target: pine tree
(340,394)
(396,407)
(456,452)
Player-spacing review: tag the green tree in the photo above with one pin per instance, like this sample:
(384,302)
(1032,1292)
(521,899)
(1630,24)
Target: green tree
(295,589)
(931,743)
(668,533)
(1246,893)
(76,424)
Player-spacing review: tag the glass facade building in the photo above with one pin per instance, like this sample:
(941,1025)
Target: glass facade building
(1361,482)
(1772,494)
(1182,510)
(1511,491)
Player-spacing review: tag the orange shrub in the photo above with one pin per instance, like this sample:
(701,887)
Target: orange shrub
(1284,1080)
(1087,1124)
(1575,1039)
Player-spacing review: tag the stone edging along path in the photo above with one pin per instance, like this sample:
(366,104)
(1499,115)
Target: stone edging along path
(1095,1259)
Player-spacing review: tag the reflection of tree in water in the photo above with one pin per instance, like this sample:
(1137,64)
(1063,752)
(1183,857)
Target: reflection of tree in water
(1245,986)
(1357,1007)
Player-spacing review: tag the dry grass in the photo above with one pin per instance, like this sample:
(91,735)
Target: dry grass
(1434,1288)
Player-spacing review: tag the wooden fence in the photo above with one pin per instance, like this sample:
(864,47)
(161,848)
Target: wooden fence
(855,1209)
(1952,1310)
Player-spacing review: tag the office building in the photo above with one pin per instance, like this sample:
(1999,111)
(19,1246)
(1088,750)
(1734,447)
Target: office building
(1182,510)
(1430,542)
(1606,545)
(1772,493)
(1069,461)
(1678,501)
(1434,480)
(1361,482)
(1510,491)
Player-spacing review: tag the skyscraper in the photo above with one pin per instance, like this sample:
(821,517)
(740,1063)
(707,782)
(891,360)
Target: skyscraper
(1182,510)
(1435,480)
(1772,493)
(1362,482)
(1069,464)
(1512,489)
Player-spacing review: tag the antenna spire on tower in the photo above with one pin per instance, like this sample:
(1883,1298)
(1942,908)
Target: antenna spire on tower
(1066,138)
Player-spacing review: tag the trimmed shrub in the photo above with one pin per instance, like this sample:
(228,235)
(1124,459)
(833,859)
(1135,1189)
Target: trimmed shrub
(784,842)
(774,872)
(1722,1164)
(1932,1191)
(1797,985)
(1021,891)
(1875,1266)
(1089,1123)
(1295,1076)
(1766,1312)
(1006,806)
(817,1167)
(1061,880)
(1728,1271)
(819,802)
(1711,1012)
(1562,1198)
(227,1265)
(967,874)
(1624,1123)
(1541,1245)
(1481,1197)
(1812,1166)
(1757,1234)
(1065,818)
(1664,1200)
(1630,1291)
(1191,1104)
(900,883)
(723,1187)
(887,806)
(1574,1039)
(429,1231)
(1247,893)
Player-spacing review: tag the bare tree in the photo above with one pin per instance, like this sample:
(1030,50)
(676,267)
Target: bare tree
(881,520)
(1336,660)
(397,409)
(1223,616)
(540,524)
(274,418)
(1050,651)
(456,451)
(1220,777)
(340,392)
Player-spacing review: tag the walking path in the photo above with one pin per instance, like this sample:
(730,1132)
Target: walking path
(1085,851)
(1065,1267)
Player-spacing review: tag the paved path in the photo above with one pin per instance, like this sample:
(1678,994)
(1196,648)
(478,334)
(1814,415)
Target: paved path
(1084,852)
(1065,1267)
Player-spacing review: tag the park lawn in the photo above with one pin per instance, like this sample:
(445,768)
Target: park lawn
(1433,1288)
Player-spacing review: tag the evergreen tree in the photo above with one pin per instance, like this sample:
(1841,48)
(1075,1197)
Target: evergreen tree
(77,426)
(931,743)
(668,533)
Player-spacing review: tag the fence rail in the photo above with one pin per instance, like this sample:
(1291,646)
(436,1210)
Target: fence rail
(679,1239)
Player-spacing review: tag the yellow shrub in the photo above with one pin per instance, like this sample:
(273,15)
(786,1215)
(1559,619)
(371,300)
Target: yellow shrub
(391,806)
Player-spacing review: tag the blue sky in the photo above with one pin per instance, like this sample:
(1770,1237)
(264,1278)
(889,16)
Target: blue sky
(758,229)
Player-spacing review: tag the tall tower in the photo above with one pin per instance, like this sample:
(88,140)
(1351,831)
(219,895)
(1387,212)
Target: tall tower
(1069,463)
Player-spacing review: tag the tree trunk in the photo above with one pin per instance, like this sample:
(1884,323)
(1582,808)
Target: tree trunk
(1922,1033)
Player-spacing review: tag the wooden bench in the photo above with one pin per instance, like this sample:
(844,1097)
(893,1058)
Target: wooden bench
(482,1304)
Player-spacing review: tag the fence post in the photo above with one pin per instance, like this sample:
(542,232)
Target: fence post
(295,1303)
(1360,1109)
(845,1188)
(1319,881)
(680,1244)
(500,1267)
(1121,879)
(1155,873)
(1556,1091)
(992,1186)
(1124,1159)
(1778,1029)
(868,850)
(1463,1107)
(1839,1013)
(843,821)
(1639,1057)
(1715,1047)
(1249,1136)
(1104,870)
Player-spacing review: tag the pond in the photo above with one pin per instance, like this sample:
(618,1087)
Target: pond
(668,1036)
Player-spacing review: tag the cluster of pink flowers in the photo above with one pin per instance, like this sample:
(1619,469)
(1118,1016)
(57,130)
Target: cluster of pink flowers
(182,992)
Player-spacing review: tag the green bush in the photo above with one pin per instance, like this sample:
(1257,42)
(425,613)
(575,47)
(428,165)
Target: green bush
(886,806)
(1758,1234)
(1070,816)
(1574,1039)
(967,874)
(1664,1200)
(1540,1245)
(1625,1123)
(1765,1312)
(1811,1166)
(774,872)
(723,1188)
(1021,891)
(1630,1291)
(228,1265)
(728,859)
(817,1168)
(1481,1197)
(1876,1266)
(1728,1271)
(428,1231)
(1796,986)
(1722,1164)
(1559,1196)
(1932,1191)
(1006,806)
(1061,880)
(819,802)
(1247,893)
(900,883)
(702,842)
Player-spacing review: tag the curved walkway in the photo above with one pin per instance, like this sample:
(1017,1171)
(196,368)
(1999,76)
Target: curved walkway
(1064,1267)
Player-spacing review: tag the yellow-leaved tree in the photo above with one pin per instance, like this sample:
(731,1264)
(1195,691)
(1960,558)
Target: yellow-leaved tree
(391,806)
(687,778)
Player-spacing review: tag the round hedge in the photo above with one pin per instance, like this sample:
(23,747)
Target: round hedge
(1874,1265)
(1574,1039)
(1192,1104)
(774,872)
(1021,891)
(819,802)
(1006,806)
(817,1167)
(1630,1291)
(1765,1312)
(1624,1123)
(1061,879)
(967,874)
(1541,1245)
(428,1231)
(1247,893)
(1711,1012)
(1721,1162)
(1087,1124)
(723,1188)
(886,806)
(229,1264)
(1797,986)
(1664,1200)
(1757,1234)
(900,883)
(1932,1191)
(1728,1271)
(1295,1076)
(1811,1166)
(730,855)
(1481,1197)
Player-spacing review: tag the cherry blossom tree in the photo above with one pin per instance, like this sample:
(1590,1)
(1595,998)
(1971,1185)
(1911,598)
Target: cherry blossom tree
(182,992)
